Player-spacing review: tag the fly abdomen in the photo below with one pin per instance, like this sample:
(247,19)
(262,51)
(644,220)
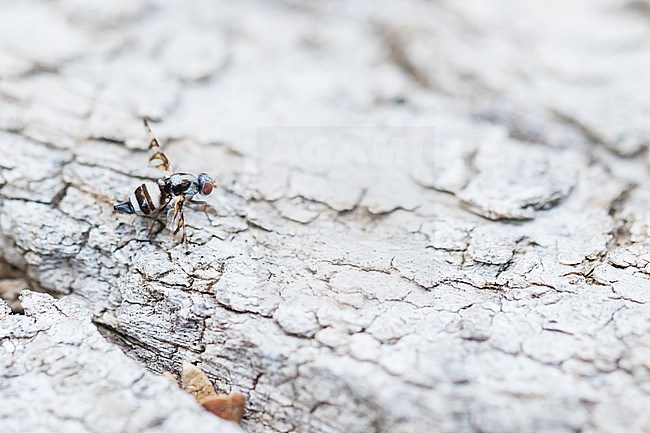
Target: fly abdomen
(124,207)
(148,199)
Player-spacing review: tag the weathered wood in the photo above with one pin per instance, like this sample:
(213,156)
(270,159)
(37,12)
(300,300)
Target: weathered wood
(58,374)
(487,272)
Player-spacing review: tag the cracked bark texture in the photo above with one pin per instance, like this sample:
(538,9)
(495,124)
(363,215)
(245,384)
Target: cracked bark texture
(467,253)
(58,374)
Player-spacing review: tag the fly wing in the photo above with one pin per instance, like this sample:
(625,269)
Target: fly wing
(157,157)
(176,219)
(175,214)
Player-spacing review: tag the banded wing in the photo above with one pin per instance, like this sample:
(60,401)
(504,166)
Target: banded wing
(157,157)
(176,220)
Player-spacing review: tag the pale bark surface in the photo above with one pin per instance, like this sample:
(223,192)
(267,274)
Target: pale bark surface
(486,269)
(58,374)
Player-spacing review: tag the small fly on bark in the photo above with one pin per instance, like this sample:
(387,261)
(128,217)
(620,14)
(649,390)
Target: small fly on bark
(171,192)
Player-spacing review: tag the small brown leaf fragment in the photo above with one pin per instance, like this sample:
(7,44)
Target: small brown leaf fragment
(167,375)
(10,289)
(196,382)
(226,406)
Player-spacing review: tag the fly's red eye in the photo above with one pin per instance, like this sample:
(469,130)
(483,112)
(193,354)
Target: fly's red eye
(207,189)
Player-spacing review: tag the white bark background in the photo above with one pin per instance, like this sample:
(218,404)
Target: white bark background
(485,270)
(60,375)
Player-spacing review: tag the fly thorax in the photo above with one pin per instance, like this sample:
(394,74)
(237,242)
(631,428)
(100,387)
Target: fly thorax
(183,184)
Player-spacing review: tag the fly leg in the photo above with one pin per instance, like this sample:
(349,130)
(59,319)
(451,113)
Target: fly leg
(202,206)
(158,217)
(154,233)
